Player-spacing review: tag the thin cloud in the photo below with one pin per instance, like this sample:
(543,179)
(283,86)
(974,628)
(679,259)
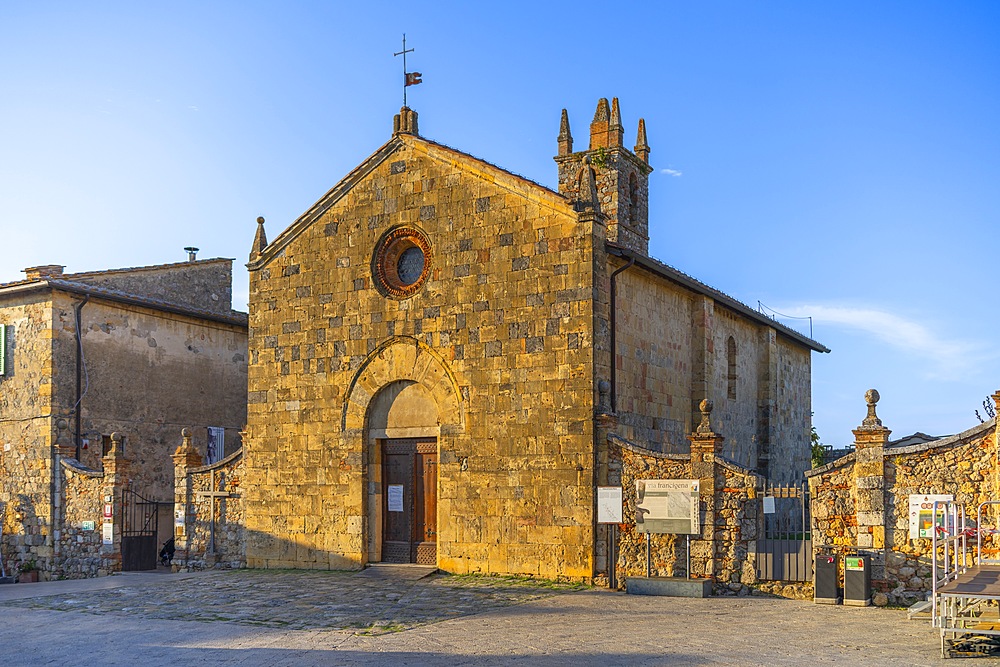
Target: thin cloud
(947,357)
(192,107)
(671,172)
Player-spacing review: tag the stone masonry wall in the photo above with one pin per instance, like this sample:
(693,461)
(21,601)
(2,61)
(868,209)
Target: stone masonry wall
(673,351)
(730,507)
(203,284)
(147,374)
(867,510)
(229,545)
(654,339)
(27,432)
(80,552)
(500,334)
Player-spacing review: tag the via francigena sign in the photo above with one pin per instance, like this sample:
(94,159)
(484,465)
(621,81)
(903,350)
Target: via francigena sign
(667,506)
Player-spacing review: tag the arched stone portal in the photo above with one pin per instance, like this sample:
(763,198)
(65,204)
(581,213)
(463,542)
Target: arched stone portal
(403,405)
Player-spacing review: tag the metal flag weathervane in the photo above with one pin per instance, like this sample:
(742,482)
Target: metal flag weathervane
(409,78)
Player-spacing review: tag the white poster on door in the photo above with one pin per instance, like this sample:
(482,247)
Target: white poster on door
(395,498)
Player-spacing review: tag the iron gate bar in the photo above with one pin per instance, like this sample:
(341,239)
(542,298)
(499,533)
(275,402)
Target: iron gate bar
(784,552)
(140,524)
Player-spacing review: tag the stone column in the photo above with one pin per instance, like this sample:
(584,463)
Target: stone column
(63,448)
(706,445)
(870,440)
(115,479)
(185,458)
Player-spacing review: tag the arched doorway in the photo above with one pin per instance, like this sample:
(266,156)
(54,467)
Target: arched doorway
(403,430)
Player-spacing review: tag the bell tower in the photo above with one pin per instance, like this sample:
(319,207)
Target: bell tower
(619,176)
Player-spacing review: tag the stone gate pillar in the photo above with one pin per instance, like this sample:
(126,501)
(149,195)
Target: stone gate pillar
(705,447)
(115,479)
(185,458)
(870,440)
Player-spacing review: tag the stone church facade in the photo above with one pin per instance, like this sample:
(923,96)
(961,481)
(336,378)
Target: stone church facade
(438,345)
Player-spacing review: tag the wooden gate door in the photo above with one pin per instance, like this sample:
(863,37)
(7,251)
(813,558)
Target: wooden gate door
(409,501)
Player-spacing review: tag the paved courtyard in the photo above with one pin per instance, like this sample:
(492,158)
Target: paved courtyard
(393,617)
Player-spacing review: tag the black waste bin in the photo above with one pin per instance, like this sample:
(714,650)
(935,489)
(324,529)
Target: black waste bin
(825,582)
(858,580)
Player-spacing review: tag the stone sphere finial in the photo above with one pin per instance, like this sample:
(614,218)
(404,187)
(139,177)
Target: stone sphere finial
(116,445)
(705,427)
(62,424)
(871,420)
(260,220)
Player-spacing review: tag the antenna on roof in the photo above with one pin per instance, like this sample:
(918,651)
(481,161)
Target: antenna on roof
(192,253)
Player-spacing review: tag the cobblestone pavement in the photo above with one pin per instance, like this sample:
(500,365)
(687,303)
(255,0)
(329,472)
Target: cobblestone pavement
(253,617)
(304,600)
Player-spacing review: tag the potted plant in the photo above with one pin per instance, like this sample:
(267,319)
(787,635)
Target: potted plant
(29,572)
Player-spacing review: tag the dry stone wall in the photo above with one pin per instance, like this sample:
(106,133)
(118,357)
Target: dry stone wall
(864,507)
(725,549)
(214,538)
(80,553)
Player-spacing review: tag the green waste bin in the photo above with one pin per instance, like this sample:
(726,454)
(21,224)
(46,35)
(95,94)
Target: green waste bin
(858,580)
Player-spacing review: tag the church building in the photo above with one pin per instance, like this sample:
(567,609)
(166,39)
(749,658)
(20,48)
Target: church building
(433,343)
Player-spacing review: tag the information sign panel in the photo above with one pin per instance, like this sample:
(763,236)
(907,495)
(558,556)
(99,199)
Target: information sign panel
(667,506)
(609,504)
(108,534)
(921,511)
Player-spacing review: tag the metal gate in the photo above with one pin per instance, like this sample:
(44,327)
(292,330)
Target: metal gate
(784,550)
(140,520)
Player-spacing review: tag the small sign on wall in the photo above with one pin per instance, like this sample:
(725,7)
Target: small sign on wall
(609,504)
(921,513)
(108,536)
(395,497)
(108,510)
(89,525)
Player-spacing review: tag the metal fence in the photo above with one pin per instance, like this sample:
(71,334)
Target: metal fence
(784,550)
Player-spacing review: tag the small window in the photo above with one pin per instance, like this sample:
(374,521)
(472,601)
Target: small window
(731,367)
(633,199)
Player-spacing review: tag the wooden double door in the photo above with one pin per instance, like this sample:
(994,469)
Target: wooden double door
(409,500)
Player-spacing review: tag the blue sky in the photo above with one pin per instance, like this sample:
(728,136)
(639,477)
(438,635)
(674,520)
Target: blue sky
(833,160)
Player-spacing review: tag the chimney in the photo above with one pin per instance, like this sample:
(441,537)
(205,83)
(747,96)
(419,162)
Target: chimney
(46,271)
(192,253)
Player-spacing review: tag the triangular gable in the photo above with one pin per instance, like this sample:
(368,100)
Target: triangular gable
(439,152)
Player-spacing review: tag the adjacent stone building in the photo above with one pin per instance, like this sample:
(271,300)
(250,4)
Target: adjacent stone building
(142,352)
(440,350)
